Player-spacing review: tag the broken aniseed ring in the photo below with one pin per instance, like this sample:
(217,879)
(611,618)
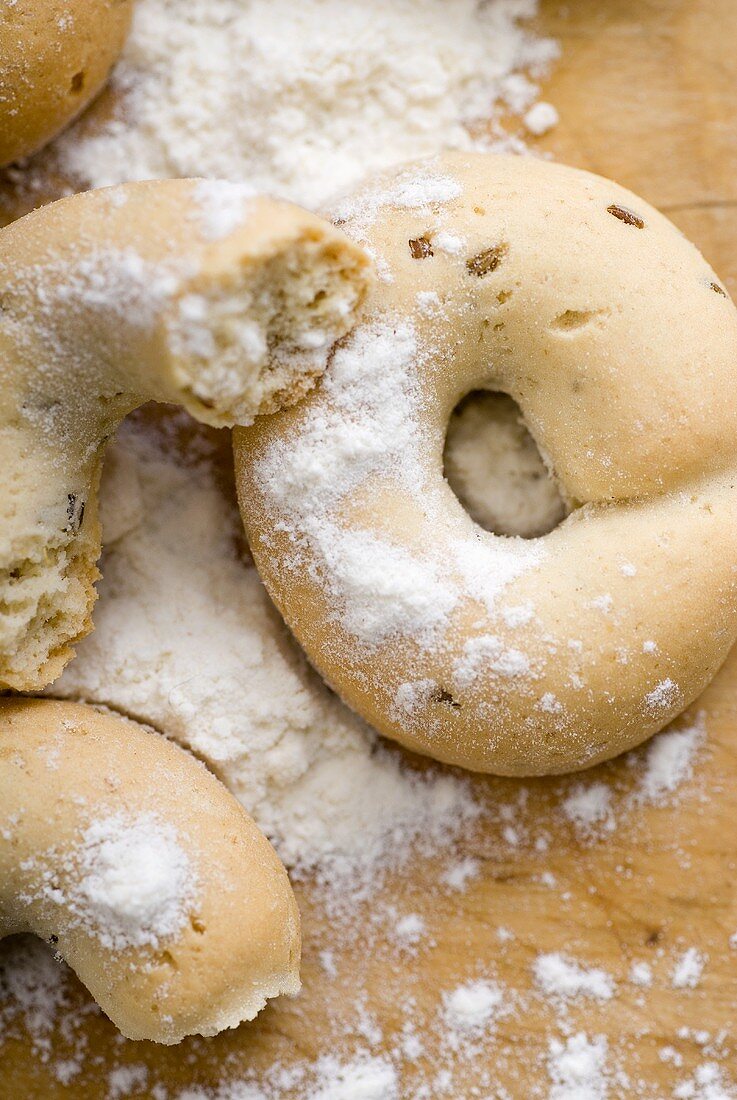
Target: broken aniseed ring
(171,290)
(613,335)
(143,871)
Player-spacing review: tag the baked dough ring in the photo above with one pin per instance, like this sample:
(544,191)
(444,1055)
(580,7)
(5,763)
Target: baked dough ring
(183,291)
(109,833)
(55,55)
(615,338)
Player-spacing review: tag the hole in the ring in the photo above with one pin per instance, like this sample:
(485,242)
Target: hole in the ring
(493,466)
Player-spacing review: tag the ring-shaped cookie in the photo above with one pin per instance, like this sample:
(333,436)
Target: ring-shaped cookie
(619,344)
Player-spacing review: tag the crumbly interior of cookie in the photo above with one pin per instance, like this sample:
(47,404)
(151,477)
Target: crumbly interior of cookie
(260,341)
(45,592)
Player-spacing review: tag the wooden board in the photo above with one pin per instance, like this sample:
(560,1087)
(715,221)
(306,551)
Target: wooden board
(647,91)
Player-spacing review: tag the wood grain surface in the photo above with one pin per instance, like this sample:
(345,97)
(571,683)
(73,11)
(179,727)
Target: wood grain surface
(647,93)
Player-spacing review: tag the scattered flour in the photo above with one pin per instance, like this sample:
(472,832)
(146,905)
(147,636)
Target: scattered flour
(641,974)
(459,874)
(33,988)
(125,1080)
(363,1079)
(688,970)
(541,118)
(449,243)
(577,1068)
(669,761)
(562,978)
(474,1006)
(261,92)
(589,808)
(185,635)
(487,652)
(368,431)
(550,703)
(665,694)
(495,469)
(410,929)
(668,764)
(223,206)
(707,1083)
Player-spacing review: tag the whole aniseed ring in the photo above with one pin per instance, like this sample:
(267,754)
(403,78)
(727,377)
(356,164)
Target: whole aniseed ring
(131,859)
(172,290)
(619,344)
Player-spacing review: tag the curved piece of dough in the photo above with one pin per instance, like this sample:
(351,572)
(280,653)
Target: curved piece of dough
(55,55)
(149,878)
(615,338)
(190,292)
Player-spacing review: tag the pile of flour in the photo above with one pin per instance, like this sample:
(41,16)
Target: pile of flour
(302,99)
